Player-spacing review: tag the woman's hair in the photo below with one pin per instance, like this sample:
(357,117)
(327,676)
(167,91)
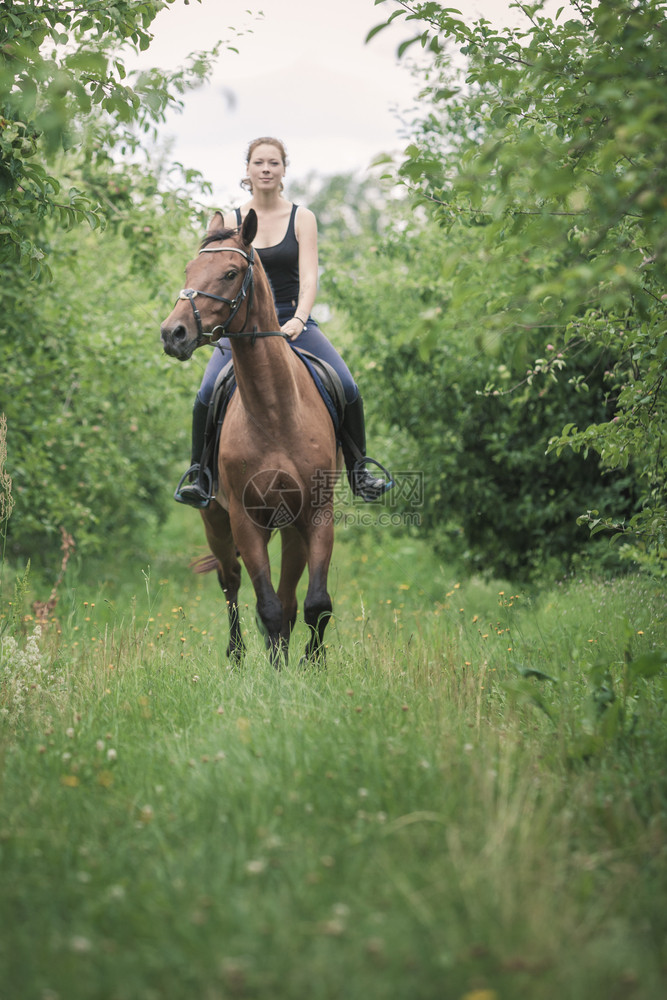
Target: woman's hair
(269,141)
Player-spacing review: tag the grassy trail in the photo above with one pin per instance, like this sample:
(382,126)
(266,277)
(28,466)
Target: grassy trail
(469,802)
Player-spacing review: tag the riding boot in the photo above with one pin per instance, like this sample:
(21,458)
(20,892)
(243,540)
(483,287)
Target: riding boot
(362,483)
(196,485)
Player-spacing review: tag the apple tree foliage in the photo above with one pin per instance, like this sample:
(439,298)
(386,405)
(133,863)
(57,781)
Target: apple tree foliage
(95,225)
(539,156)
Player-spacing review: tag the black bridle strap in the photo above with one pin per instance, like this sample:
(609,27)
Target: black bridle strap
(189,293)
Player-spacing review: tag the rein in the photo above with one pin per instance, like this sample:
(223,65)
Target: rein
(247,288)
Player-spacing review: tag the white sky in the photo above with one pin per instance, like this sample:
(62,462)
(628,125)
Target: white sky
(303,73)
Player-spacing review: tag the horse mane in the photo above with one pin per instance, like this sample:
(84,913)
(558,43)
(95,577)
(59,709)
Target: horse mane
(217,235)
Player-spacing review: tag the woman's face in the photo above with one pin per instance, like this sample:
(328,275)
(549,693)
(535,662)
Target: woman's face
(265,168)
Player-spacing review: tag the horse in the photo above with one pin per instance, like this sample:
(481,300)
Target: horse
(277,458)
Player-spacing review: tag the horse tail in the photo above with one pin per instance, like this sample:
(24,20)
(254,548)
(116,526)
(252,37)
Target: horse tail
(205,564)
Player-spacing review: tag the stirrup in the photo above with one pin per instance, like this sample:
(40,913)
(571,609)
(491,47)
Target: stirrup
(195,492)
(376,487)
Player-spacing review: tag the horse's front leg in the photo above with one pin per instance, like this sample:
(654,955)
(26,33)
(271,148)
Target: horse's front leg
(221,542)
(317,606)
(292,564)
(269,617)
(253,542)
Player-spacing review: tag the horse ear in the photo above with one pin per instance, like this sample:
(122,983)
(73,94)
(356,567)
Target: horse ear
(249,229)
(216,224)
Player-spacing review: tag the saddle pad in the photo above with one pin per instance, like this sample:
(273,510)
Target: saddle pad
(328,385)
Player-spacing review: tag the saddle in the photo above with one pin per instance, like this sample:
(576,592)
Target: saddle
(327,382)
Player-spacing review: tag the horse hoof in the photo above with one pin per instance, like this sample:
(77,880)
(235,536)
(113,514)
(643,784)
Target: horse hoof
(314,658)
(235,653)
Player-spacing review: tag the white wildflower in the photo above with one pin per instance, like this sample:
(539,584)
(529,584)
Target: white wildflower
(20,672)
(256,866)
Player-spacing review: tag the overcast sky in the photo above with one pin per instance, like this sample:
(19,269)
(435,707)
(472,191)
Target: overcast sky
(302,73)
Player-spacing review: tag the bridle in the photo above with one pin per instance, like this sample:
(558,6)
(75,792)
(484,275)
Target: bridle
(247,288)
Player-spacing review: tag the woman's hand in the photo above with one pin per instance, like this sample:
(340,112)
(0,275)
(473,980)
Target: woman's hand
(292,328)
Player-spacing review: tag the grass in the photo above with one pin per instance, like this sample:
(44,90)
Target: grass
(430,816)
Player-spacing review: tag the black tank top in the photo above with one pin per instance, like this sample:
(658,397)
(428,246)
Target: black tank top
(281,262)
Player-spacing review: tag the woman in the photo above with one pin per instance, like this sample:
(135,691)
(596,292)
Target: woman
(286,243)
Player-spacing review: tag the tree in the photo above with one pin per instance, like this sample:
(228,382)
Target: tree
(83,387)
(549,146)
(492,496)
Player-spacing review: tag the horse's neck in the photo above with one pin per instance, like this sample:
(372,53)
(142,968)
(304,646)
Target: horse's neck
(265,377)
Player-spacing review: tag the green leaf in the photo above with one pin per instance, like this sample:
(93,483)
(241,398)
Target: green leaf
(404,46)
(648,664)
(533,672)
(84,60)
(523,692)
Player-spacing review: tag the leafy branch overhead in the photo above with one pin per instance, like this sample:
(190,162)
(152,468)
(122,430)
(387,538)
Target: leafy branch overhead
(64,87)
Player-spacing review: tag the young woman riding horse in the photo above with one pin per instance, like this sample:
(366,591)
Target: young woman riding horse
(286,243)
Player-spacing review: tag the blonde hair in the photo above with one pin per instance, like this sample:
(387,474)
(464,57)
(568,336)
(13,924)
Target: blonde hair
(269,141)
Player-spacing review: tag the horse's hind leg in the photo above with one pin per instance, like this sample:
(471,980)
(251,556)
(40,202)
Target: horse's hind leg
(236,645)
(221,543)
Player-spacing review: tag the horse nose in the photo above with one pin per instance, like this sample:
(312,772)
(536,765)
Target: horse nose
(173,337)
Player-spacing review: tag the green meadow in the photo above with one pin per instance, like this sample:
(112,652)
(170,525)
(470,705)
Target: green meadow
(469,802)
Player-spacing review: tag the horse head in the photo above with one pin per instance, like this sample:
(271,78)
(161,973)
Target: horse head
(217,299)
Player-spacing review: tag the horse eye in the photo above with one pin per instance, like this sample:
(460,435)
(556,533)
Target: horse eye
(230,275)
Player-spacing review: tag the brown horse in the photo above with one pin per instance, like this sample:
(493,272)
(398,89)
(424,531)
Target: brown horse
(277,458)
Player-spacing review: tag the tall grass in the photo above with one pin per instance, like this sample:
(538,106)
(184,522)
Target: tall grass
(6,497)
(442,812)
